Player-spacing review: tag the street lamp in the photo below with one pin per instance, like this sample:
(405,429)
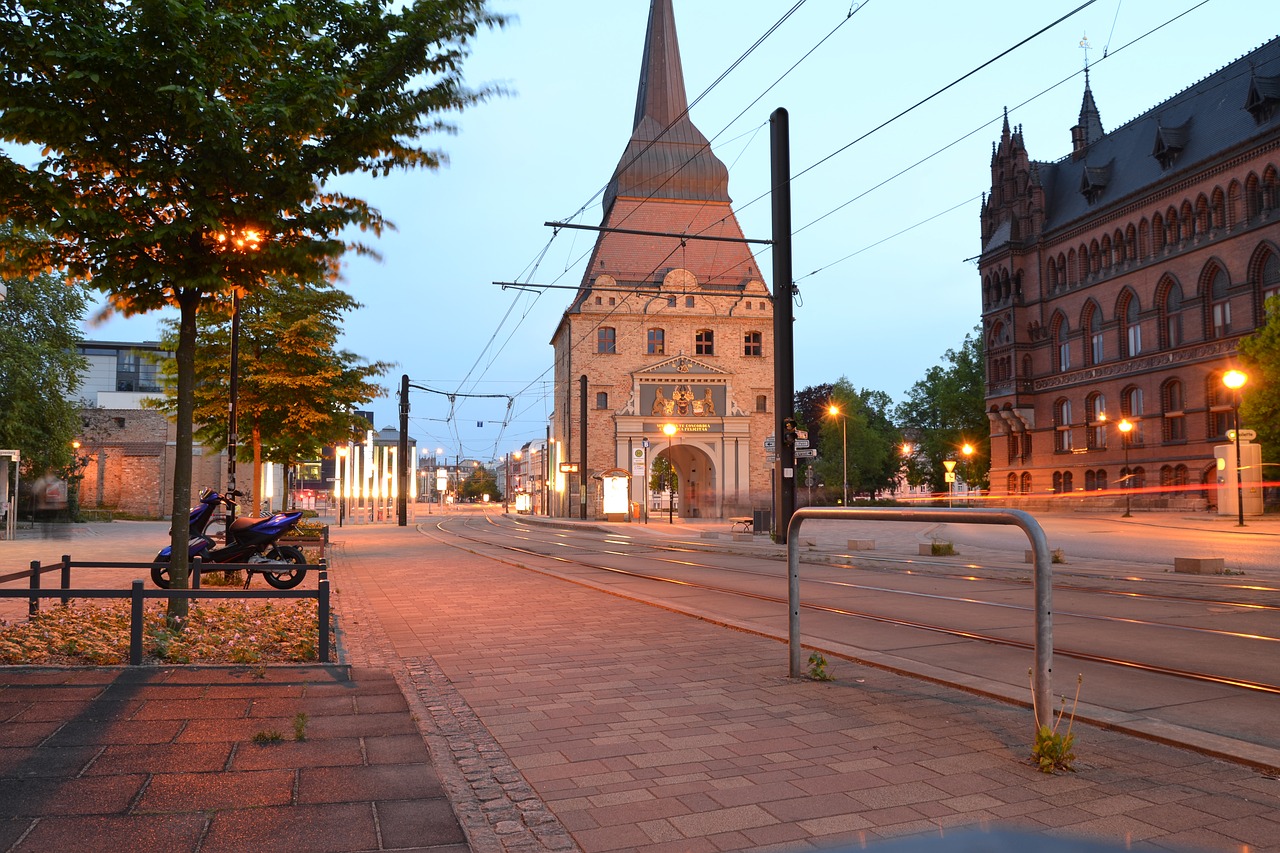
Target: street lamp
(341,484)
(1235,380)
(968,451)
(1126,426)
(669,430)
(834,411)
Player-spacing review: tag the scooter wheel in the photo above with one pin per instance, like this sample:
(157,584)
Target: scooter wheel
(286,578)
(160,574)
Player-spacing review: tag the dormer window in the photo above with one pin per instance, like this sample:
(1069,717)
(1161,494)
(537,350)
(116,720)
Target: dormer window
(1170,141)
(1093,182)
(1263,99)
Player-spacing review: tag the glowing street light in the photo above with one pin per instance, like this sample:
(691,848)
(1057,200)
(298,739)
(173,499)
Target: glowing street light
(1126,426)
(1235,380)
(834,411)
(341,486)
(670,430)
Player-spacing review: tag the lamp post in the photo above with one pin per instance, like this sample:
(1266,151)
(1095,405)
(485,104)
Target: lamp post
(1235,380)
(968,451)
(669,430)
(1126,426)
(342,485)
(834,411)
(644,444)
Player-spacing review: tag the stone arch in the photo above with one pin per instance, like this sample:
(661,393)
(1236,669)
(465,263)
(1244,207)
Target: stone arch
(698,495)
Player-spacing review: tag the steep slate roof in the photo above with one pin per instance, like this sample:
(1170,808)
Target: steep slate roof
(667,157)
(1207,119)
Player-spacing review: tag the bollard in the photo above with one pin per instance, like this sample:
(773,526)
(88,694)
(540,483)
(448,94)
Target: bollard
(66,577)
(33,604)
(135,623)
(323,617)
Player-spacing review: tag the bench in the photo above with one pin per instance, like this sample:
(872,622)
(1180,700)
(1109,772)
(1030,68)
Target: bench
(744,524)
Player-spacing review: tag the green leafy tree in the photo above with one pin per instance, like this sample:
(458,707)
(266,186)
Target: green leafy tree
(187,146)
(479,482)
(944,411)
(663,476)
(39,366)
(296,389)
(1260,398)
(862,433)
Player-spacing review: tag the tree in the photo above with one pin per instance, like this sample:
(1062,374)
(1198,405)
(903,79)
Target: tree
(860,437)
(187,145)
(1260,400)
(39,366)
(944,411)
(663,477)
(478,483)
(296,390)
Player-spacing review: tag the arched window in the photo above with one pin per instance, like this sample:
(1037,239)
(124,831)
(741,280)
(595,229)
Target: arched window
(1093,323)
(1095,412)
(1220,402)
(1061,344)
(1024,484)
(1102,480)
(1062,426)
(1011,484)
(1057,482)
(1067,485)
(1172,404)
(1130,327)
(1171,312)
(1131,408)
(1220,303)
(1269,283)
(1090,480)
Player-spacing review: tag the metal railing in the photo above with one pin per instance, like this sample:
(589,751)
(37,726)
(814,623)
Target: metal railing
(136,594)
(1042,688)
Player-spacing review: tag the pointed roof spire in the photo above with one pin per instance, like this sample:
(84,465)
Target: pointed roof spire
(667,156)
(1090,119)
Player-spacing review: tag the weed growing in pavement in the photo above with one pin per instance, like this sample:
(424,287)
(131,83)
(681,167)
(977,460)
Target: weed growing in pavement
(1058,555)
(818,667)
(300,726)
(941,548)
(267,737)
(1053,749)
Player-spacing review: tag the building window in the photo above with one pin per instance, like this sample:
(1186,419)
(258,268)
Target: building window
(602,400)
(657,342)
(1219,406)
(1175,421)
(1068,486)
(1095,337)
(1221,305)
(1173,316)
(1132,330)
(1062,426)
(1025,485)
(1064,356)
(704,342)
(1270,281)
(135,373)
(606,340)
(1101,480)
(762,403)
(1131,408)
(752,344)
(1011,484)
(688,302)
(671,302)
(1095,413)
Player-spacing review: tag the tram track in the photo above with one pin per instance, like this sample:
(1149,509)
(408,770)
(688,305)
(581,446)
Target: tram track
(468,533)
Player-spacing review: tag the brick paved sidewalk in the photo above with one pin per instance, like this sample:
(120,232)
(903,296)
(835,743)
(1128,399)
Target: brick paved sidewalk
(113,759)
(637,729)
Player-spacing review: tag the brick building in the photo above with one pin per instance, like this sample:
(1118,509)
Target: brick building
(665,332)
(1117,282)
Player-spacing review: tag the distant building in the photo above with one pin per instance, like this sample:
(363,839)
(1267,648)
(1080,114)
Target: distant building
(665,332)
(1117,283)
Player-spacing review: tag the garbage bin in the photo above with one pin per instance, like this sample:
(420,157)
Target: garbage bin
(762,522)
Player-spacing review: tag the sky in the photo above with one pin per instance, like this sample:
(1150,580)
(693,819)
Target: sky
(893,112)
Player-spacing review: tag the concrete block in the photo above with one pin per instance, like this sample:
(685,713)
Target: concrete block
(1200,565)
(743,537)
(862,544)
(709,534)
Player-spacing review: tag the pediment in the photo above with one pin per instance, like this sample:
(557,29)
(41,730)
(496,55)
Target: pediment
(681,365)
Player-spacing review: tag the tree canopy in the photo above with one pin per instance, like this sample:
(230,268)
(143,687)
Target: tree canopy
(39,369)
(859,437)
(186,145)
(1260,398)
(944,411)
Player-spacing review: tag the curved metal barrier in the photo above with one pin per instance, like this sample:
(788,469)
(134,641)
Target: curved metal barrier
(1042,687)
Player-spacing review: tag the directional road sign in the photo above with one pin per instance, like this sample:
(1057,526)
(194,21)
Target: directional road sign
(811,453)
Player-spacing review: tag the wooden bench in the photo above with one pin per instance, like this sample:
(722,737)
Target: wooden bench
(744,524)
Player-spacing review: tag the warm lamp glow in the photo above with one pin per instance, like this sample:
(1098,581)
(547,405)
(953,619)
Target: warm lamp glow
(1125,425)
(967,450)
(669,429)
(1234,379)
(833,409)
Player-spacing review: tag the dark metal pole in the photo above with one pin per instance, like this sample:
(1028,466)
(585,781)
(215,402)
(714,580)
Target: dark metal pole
(783,321)
(402,463)
(1239,484)
(233,388)
(582,451)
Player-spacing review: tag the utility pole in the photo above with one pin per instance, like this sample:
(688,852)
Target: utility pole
(783,359)
(402,473)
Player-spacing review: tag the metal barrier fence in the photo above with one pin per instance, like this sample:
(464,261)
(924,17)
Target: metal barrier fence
(137,594)
(1042,688)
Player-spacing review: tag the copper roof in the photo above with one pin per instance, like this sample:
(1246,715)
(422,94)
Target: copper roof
(667,157)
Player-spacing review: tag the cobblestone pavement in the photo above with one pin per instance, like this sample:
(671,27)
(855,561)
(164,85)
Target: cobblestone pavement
(576,720)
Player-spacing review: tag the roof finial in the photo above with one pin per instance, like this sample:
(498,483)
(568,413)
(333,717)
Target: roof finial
(1084,45)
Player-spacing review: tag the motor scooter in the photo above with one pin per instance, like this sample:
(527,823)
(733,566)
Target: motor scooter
(250,541)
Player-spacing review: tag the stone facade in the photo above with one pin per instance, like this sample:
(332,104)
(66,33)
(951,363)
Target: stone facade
(1117,283)
(672,327)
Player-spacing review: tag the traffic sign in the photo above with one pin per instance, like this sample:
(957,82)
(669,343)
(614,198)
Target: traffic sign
(949,477)
(802,443)
(801,433)
(950,465)
(811,453)
(1245,435)
(769,443)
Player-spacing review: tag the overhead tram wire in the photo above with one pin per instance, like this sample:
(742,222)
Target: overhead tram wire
(1040,94)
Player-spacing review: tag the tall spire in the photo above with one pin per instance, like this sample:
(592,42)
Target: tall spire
(667,157)
(1089,129)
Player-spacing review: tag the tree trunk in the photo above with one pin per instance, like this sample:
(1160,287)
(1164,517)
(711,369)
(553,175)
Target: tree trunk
(188,304)
(259,490)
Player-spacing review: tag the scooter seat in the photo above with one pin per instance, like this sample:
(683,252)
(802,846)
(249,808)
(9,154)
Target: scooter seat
(243,522)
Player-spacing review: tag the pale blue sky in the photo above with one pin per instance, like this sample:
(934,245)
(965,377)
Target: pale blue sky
(875,307)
